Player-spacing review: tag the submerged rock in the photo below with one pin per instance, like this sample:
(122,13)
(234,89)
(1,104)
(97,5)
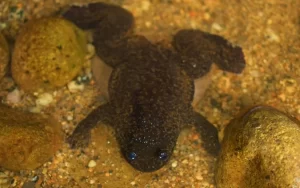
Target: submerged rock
(4,56)
(48,53)
(27,140)
(260,149)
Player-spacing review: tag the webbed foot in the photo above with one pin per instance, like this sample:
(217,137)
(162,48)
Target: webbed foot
(111,24)
(209,134)
(199,50)
(81,136)
(116,19)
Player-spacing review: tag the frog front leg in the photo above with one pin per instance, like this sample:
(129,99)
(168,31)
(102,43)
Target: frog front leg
(111,25)
(80,137)
(198,50)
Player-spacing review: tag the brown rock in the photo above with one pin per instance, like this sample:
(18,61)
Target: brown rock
(4,56)
(48,53)
(27,140)
(260,149)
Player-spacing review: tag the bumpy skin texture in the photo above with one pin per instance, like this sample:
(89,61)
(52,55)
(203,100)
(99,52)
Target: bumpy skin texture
(151,88)
(260,149)
(48,53)
(27,140)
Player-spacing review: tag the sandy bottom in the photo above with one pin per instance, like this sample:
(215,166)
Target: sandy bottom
(267,31)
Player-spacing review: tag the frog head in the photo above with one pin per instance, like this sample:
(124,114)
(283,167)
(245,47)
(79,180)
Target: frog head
(149,142)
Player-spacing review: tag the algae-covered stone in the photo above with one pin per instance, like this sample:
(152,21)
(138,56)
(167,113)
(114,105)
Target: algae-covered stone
(27,140)
(4,56)
(260,149)
(48,53)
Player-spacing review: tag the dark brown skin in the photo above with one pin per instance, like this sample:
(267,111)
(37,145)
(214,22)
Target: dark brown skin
(151,88)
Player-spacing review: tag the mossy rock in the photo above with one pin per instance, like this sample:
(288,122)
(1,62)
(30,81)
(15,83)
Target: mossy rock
(260,149)
(48,53)
(27,140)
(4,56)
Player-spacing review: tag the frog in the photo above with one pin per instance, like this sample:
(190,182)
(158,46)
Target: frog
(151,86)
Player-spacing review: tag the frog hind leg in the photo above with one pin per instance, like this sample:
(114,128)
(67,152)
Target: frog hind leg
(81,136)
(198,50)
(209,134)
(110,24)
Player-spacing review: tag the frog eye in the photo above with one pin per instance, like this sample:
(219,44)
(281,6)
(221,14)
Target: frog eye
(163,156)
(131,156)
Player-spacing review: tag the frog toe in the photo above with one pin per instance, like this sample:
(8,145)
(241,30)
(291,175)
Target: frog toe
(198,50)
(79,140)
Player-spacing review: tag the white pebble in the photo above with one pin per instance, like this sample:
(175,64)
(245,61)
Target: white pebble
(132,183)
(44,99)
(174,164)
(92,181)
(74,87)
(217,26)
(199,177)
(69,118)
(92,164)
(14,96)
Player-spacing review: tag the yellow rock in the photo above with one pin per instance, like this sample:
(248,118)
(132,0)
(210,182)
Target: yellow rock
(48,53)
(27,140)
(260,149)
(4,56)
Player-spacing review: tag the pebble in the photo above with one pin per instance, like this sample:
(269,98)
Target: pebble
(92,181)
(273,36)
(14,96)
(69,117)
(199,176)
(185,161)
(217,27)
(44,99)
(145,5)
(254,73)
(44,171)
(74,87)
(4,180)
(174,164)
(132,183)
(148,24)
(92,164)
(290,89)
(282,97)
(35,109)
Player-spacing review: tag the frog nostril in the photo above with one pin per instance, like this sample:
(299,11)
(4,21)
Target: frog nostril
(131,156)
